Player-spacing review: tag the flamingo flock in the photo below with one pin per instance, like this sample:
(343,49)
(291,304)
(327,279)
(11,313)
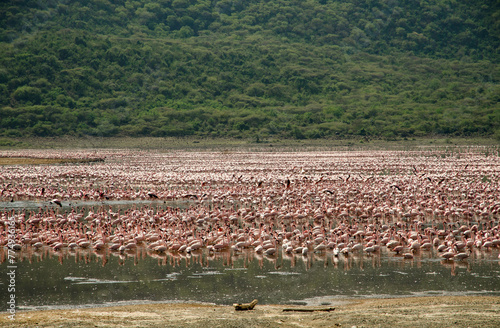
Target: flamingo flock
(296,203)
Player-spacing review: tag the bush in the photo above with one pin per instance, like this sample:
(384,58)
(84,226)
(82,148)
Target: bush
(27,95)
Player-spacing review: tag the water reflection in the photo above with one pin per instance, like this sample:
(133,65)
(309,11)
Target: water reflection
(80,276)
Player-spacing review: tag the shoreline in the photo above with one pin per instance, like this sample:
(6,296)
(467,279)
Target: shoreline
(318,301)
(429,311)
(192,143)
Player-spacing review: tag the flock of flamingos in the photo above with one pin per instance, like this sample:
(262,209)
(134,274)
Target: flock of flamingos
(342,202)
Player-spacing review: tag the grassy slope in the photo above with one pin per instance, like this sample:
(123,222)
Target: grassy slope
(259,70)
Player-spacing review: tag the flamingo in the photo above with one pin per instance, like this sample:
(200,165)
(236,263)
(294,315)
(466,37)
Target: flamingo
(449,255)
(316,214)
(56,201)
(461,256)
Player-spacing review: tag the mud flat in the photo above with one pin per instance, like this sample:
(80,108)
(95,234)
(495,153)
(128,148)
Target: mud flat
(454,311)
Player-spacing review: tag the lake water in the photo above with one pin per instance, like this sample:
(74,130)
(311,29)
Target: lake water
(320,181)
(48,279)
(86,204)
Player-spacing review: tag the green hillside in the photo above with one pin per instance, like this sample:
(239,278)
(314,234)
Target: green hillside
(250,68)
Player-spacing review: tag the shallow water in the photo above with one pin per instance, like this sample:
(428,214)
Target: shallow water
(47,279)
(74,204)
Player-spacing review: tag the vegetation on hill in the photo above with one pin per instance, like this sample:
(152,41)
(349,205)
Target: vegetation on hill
(253,68)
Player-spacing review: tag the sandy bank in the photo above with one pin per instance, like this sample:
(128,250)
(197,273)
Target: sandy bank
(456,311)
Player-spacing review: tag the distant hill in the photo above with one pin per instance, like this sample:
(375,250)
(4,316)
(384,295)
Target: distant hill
(250,68)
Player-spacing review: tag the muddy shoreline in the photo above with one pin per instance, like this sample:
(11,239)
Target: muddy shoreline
(448,311)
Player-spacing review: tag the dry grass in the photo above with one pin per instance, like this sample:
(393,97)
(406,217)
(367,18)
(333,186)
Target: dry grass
(196,143)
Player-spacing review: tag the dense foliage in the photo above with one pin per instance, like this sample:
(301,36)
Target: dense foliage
(253,68)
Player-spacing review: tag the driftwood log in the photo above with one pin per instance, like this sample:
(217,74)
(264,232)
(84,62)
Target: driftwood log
(245,306)
(308,309)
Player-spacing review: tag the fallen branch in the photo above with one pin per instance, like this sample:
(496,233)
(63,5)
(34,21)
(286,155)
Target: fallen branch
(245,306)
